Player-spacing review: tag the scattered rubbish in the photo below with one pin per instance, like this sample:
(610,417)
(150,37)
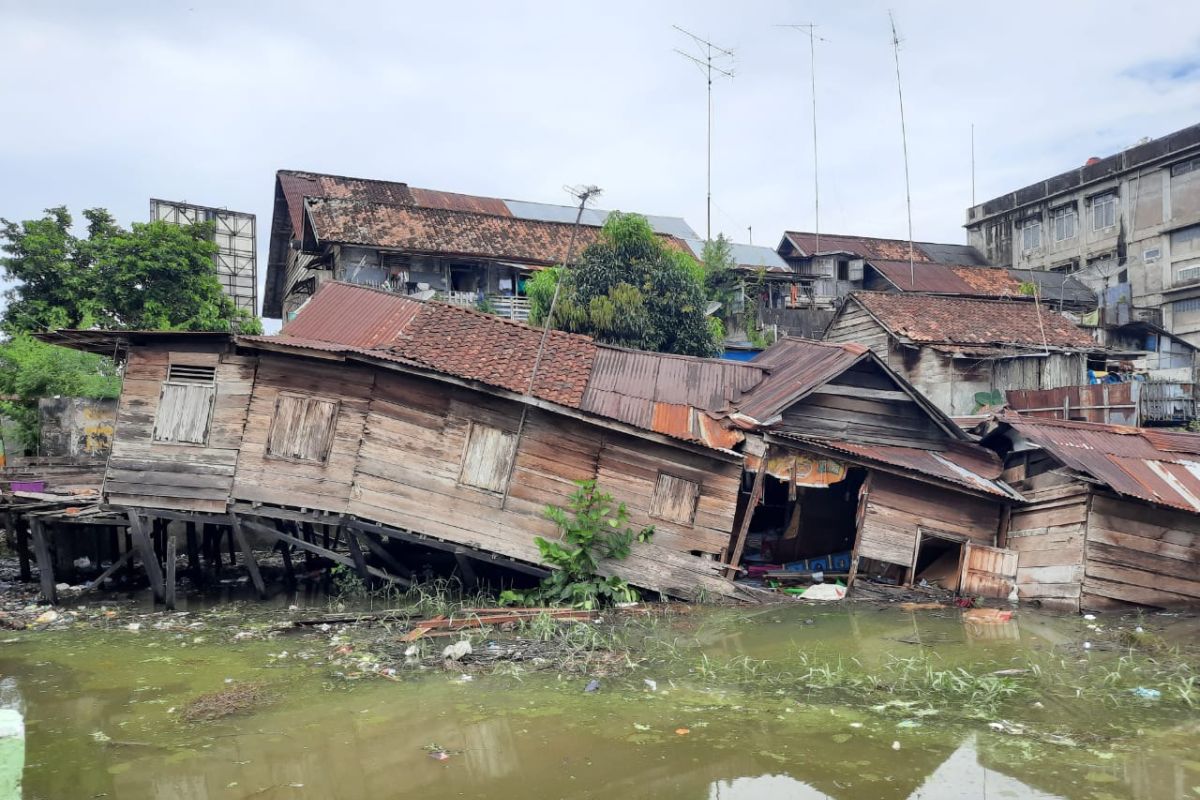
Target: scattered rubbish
(456,651)
(651,684)
(1087,645)
(465,678)
(1089,617)
(592,686)
(1139,629)
(1004,726)
(1005,673)
(682,731)
(46,617)
(133,626)
(412,651)
(83,563)
(236,699)
(856,724)
(824,591)
(640,727)
(440,755)
(919,606)
(908,723)
(895,745)
(1146,694)
(987,615)
(101,736)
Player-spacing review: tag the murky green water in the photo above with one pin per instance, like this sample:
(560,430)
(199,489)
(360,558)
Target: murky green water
(794,702)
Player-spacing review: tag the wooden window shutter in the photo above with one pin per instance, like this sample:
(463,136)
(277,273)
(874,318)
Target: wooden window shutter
(303,428)
(675,499)
(488,458)
(185,405)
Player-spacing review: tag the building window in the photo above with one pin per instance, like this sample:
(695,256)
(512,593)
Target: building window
(843,269)
(186,403)
(302,428)
(1104,211)
(1184,167)
(1064,220)
(1152,255)
(488,458)
(1031,234)
(1067,267)
(674,499)
(1189,306)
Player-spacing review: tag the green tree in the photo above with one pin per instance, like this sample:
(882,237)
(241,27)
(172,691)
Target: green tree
(155,276)
(631,290)
(30,369)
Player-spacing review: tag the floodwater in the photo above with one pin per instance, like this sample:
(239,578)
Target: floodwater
(790,702)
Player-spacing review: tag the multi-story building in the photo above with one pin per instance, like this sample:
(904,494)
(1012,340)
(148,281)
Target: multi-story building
(1127,225)
(463,249)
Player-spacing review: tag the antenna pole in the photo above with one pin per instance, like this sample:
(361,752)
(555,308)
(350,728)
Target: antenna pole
(972,164)
(812,63)
(707,67)
(912,271)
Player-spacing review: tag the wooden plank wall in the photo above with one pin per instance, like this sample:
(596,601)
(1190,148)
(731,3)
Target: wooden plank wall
(854,324)
(183,477)
(1141,554)
(897,506)
(988,571)
(1048,535)
(292,482)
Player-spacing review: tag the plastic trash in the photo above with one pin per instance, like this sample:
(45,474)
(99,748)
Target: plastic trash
(12,739)
(652,685)
(592,686)
(824,591)
(1089,617)
(1146,694)
(456,651)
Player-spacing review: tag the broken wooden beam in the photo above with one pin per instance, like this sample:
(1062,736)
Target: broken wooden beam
(145,548)
(338,558)
(112,568)
(243,544)
(45,563)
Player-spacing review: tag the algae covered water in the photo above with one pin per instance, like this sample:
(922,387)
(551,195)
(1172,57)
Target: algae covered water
(858,701)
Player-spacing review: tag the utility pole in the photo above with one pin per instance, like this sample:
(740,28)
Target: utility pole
(812,58)
(912,271)
(707,67)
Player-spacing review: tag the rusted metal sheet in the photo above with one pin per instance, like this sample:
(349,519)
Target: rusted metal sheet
(796,367)
(1131,461)
(452,201)
(1109,403)
(923,277)
(353,315)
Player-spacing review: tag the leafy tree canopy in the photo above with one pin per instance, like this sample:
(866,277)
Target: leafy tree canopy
(631,290)
(154,276)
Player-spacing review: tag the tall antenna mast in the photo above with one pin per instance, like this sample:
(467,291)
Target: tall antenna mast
(912,271)
(812,58)
(972,164)
(707,67)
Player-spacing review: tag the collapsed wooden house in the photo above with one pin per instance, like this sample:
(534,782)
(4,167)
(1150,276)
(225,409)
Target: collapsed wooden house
(1113,512)
(953,348)
(386,418)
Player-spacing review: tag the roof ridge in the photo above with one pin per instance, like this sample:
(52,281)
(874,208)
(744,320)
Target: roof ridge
(304,173)
(460,212)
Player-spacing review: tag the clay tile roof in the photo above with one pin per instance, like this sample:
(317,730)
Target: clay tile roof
(989,281)
(872,248)
(960,321)
(438,230)
(298,185)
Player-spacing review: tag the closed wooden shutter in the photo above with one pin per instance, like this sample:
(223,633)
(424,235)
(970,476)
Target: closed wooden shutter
(488,458)
(989,571)
(184,411)
(303,428)
(674,499)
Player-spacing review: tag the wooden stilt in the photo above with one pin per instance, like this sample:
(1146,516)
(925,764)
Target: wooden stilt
(44,561)
(337,558)
(23,549)
(381,552)
(232,546)
(193,553)
(169,588)
(307,534)
(755,494)
(141,540)
(285,550)
(465,570)
(360,563)
(236,532)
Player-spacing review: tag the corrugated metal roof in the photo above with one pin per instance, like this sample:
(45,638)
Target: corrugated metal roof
(551,212)
(938,278)
(796,367)
(871,248)
(353,315)
(967,465)
(750,257)
(1156,467)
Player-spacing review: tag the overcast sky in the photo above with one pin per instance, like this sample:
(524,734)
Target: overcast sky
(109,103)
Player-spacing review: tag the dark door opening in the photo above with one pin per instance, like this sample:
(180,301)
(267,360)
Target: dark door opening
(939,561)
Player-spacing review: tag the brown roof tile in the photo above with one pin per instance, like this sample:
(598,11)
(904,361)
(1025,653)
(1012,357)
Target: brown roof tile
(873,247)
(960,321)
(429,230)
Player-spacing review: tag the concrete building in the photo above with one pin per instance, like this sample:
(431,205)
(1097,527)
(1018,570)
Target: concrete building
(1127,225)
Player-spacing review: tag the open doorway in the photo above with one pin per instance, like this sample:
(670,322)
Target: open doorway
(802,529)
(938,561)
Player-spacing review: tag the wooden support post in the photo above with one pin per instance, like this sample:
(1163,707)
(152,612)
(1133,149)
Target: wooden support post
(465,570)
(125,558)
(141,540)
(22,542)
(233,546)
(337,558)
(193,553)
(755,495)
(360,563)
(45,562)
(285,550)
(382,553)
(308,534)
(243,543)
(169,587)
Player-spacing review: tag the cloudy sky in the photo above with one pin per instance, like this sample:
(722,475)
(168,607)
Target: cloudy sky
(109,104)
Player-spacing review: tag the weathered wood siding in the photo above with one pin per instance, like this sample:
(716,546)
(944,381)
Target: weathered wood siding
(185,477)
(862,405)
(1048,536)
(409,474)
(988,571)
(854,324)
(324,485)
(896,507)
(1139,553)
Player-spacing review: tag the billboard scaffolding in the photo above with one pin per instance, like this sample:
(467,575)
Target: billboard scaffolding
(235,236)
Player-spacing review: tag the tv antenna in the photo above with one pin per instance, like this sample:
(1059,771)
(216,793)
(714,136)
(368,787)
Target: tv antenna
(707,67)
(912,271)
(812,58)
